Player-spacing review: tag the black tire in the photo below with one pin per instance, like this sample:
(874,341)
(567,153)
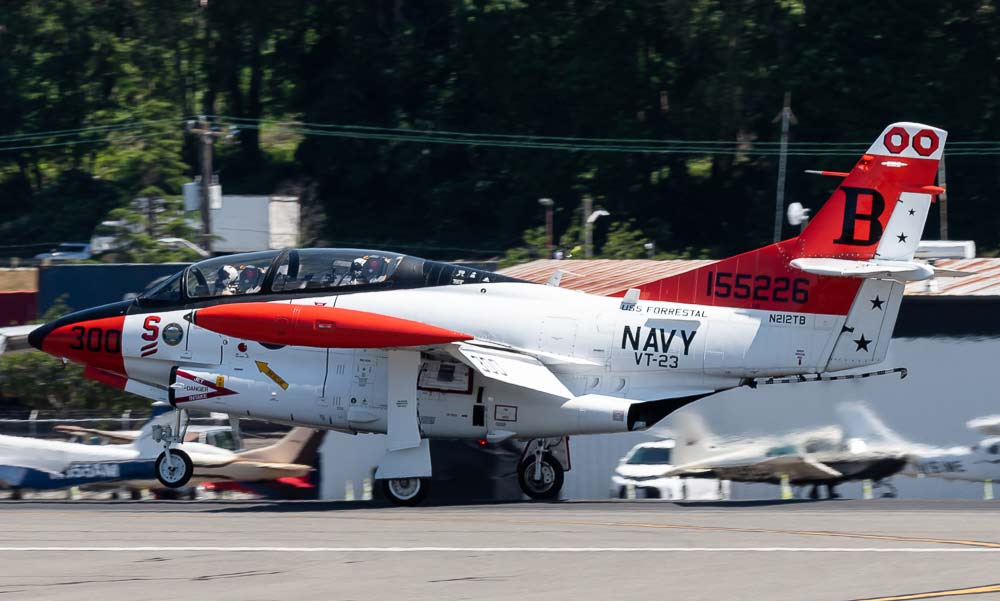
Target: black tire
(400,491)
(185,476)
(552,478)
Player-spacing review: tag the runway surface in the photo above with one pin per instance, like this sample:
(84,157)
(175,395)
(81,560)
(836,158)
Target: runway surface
(828,550)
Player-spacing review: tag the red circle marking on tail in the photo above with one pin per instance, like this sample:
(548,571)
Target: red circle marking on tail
(904,140)
(932,142)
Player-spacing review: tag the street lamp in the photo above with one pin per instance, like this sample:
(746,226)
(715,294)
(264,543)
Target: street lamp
(588,231)
(650,249)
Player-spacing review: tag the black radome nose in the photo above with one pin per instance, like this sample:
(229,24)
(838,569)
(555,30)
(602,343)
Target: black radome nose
(37,336)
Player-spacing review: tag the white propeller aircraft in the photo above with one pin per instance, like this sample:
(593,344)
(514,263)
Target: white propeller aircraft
(378,342)
(824,456)
(37,464)
(977,463)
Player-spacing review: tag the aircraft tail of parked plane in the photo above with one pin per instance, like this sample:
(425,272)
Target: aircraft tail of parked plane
(692,437)
(860,423)
(297,446)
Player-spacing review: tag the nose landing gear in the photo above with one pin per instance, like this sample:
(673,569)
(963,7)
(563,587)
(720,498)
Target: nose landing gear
(173,467)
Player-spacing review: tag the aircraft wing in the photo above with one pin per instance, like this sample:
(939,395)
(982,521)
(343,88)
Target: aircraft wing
(333,327)
(124,436)
(15,338)
(796,467)
(513,368)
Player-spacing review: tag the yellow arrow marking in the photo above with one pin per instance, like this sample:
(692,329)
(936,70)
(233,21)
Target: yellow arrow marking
(976,590)
(267,371)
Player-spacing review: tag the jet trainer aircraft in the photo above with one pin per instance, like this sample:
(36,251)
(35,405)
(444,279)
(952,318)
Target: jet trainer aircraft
(378,342)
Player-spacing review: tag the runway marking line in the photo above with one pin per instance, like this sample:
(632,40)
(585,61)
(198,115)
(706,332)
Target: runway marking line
(831,533)
(955,592)
(292,549)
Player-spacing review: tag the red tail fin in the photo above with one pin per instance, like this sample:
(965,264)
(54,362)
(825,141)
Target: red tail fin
(878,211)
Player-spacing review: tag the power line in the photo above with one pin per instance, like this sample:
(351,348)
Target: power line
(142,129)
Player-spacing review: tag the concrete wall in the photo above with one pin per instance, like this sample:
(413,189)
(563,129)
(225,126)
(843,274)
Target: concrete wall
(241,222)
(90,284)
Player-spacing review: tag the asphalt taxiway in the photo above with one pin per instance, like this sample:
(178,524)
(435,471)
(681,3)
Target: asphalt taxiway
(828,550)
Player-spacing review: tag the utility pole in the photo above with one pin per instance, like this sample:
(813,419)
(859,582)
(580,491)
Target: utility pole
(943,200)
(206,147)
(549,236)
(787,118)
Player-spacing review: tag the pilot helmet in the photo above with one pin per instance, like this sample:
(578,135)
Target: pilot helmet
(373,266)
(249,275)
(226,274)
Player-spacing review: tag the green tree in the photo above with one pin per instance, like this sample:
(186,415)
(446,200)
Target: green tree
(535,246)
(624,241)
(142,232)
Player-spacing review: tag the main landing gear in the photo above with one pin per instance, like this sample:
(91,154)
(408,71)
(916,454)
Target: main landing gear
(405,491)
(173,467)
(542,468)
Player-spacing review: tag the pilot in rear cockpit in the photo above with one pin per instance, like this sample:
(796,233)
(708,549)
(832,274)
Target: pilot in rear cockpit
(250,279)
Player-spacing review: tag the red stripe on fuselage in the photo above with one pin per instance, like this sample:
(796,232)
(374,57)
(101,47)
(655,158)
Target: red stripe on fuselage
(318,326)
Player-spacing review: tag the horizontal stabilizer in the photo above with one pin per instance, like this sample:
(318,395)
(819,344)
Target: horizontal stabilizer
(988,425)
(907,271)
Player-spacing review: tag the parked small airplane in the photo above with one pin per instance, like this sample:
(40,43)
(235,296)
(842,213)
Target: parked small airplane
(820,457)
(37,464)
(979,462)
(378,342)
(15,338)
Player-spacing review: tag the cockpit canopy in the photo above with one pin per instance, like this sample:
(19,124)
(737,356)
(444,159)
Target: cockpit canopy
(310,269)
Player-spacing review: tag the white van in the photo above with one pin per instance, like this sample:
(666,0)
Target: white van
(640,475)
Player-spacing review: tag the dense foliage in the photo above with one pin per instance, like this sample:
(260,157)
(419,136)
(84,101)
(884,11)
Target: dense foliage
(669,69)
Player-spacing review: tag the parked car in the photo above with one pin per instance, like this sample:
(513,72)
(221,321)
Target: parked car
(640,475)
(67,251)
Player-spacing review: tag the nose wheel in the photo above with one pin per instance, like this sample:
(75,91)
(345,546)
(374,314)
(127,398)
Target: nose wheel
(173,467)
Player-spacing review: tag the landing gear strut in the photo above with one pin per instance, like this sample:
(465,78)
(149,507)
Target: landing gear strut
(831,491)
(540,473)
(173,467)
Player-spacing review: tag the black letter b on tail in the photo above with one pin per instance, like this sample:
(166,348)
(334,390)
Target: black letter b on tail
(852,217)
